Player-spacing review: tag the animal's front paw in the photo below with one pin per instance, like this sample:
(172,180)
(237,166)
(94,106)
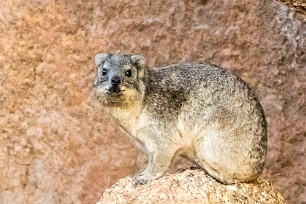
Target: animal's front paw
(141,179)
(144,178)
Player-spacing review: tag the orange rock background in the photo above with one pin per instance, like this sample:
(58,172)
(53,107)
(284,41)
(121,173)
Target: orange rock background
(57,145)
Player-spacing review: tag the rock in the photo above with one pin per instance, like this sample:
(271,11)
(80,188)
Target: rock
(58,145)
(190,186)
(297,5)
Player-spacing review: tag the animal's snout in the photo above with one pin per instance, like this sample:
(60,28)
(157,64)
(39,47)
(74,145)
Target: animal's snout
(115,80)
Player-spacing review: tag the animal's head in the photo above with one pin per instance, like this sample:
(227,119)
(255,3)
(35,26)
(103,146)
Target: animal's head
(120,79)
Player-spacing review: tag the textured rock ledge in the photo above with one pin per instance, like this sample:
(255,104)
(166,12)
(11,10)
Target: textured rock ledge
(297,5)
(190,186)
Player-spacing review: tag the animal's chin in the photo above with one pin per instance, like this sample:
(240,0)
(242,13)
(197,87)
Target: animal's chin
(109,97)
(117,98)
(113,99)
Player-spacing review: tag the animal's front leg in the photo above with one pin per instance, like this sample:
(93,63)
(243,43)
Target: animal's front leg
(148,168)
(159,161)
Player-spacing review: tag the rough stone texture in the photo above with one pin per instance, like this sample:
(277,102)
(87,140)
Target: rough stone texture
(190,186)
(57,145)
(297,5)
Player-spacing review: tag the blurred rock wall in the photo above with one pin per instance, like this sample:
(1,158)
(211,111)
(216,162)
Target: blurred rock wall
(57,145)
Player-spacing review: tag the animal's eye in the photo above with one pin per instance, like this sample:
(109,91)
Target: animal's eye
(104,72)
(128,73)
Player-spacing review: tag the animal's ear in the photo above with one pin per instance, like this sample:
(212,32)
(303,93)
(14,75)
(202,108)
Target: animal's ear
(140,62)
(100,58)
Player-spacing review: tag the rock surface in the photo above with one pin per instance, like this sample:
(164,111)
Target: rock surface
(190,186)
(57,145)
(297,5)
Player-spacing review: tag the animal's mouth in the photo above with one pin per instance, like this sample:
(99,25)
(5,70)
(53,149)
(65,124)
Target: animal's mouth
(114,91)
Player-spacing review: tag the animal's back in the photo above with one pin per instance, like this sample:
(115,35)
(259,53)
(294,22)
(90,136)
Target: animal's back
(200,86)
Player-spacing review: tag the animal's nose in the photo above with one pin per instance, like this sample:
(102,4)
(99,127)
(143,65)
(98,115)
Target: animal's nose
(115,80)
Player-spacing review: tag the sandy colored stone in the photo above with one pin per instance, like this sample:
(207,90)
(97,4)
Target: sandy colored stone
(57,144)
(297,5)
(190,186)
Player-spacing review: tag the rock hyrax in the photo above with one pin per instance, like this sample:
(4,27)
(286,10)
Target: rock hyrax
(199,111)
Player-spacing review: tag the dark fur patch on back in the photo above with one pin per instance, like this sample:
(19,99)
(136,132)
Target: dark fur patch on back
(164,94)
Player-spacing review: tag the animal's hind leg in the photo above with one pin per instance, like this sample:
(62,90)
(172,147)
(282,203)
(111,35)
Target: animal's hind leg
(214,173)
(214,156)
